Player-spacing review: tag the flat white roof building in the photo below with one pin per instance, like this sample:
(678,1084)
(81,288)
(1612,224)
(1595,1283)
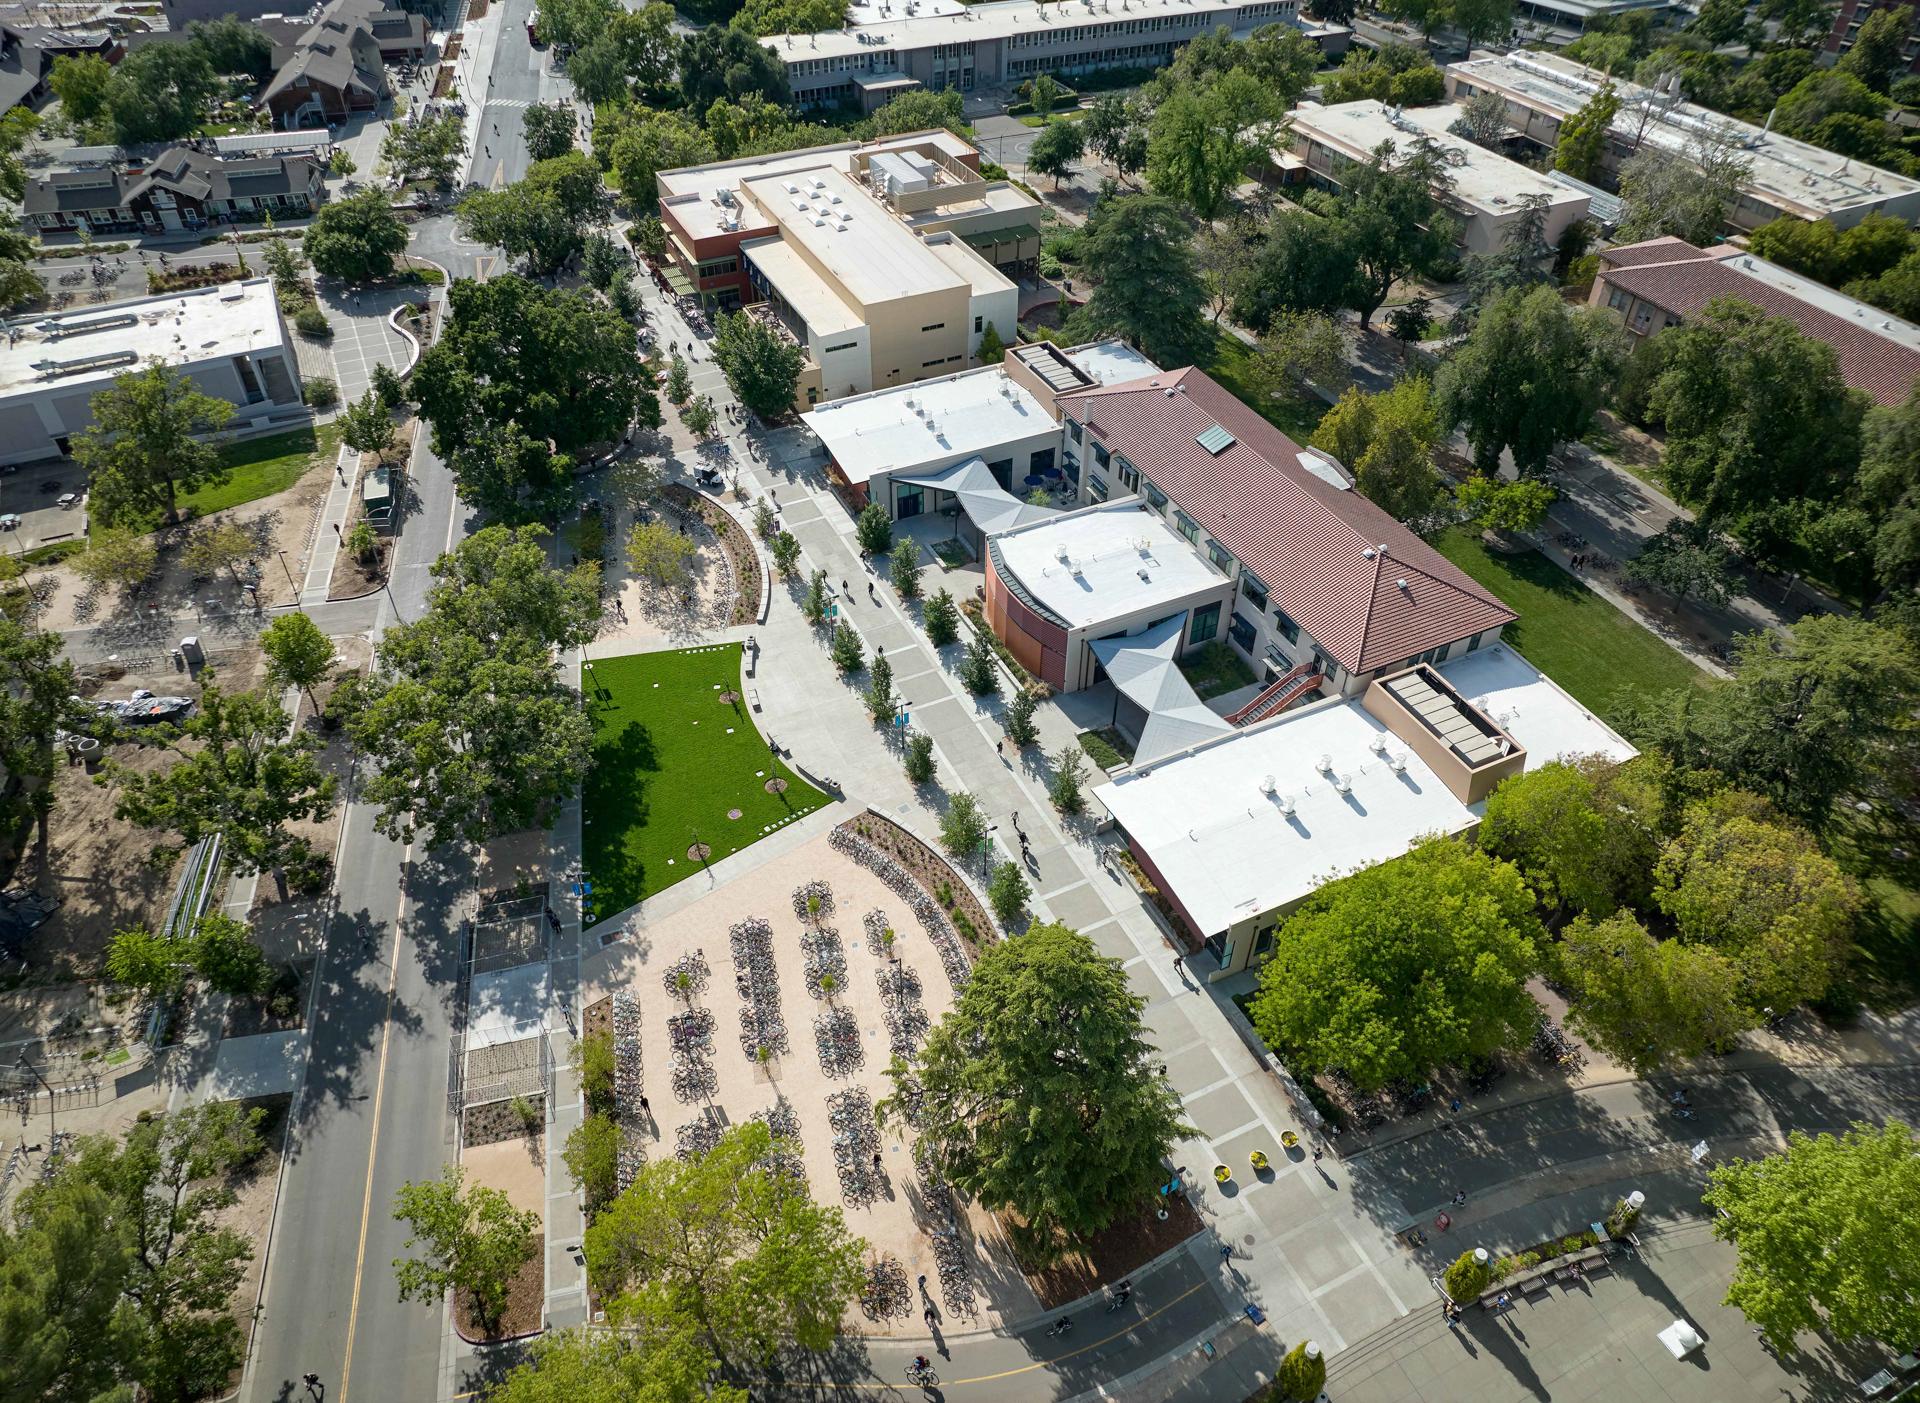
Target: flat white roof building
(1105,562)
(1240,829)
(229,339)
(1788,176)
(1486,188)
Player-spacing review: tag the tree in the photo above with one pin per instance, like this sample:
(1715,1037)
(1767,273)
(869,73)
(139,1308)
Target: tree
(1719,22)
(1687,559)
(245,778)
(1302,1374)
(355,238)
(1054,151)
(160,92)
(941,618)
(1465,1278)
(785,550)
(118,560)
(1305,264)
(679,384)
(1688,196)
(1878,50)
(1110,123)
(762,366)
(525,223)
(366,426)
(1008,893)
(640,142)
(1393,225)
(819,595)
(549,129)
(139,959)
(424,150)
(1764,894)
(903,568)
(223,545)
(1647,1003)
(918,759)
(663,1361)
(920,110)
(555,362)
(150,441)
(508,474)
(992,349)
(717,62)
(845,649)
(1407,322)
(1400,74)
(1758,420)
(1415,963)
(1299,351)
(963,828)
(1506,508)
(1482,21)
(731,1243)
(1530,376)
(1584,135)
(879,698)
(1202,137)
(1482,120)
(1387,441)
(604,262)
(83,84)
(873,530)
(224,953)
(592,1155)
(1148,291)
(1224,259)
(698,416)
(298,653)
(1888,488)
(1819,1229)
(1069,776)
(473,1241)
(1037,1092)
(658,553)
(231,45)
(37,689)
(979,669)
(1578,836)
(466,726)
(1019,722)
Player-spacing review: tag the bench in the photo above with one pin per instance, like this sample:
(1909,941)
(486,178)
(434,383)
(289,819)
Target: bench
(753,695)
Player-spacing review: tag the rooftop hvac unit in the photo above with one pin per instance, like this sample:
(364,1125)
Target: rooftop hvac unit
(1267,786)
(1378,745)
(1325,765)
(1145,578)
(1285,801)
(1397,762)
(1343,783)
(817,183)
(1061,554)
(790,187)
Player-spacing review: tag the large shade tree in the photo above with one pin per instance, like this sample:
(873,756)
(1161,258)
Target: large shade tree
(1415,963)
(1037,1093)
(1140,249)
(153,436)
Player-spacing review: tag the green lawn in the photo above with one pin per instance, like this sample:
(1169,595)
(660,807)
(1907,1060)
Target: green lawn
(1215,669)
(1233,367)
(263,466)
(1566,630)
(670,761)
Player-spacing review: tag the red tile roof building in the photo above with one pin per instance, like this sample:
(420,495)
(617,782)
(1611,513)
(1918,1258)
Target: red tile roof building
(1323,575)
(1663,282)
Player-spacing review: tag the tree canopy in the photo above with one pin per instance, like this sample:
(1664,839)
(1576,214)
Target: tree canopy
(762,367)
(153,436)
(1037,1090)
(1148,292)
(473,1240)
(1415,963)
(37,687)
(355,238)
(1387,440)
(1647,1003)
(1584,839)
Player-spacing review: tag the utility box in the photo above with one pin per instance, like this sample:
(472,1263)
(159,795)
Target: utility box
(376,499)
(192,653)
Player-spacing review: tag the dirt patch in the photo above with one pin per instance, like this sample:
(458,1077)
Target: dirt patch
(251,1214)
(518,1168)
(281,1009)
(501,1120)
(597,1017)
(1117,1253)
(524,1301)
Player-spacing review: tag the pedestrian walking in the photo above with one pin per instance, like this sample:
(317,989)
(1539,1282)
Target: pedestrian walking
(1226,1251)
(644,1109)
(1317,1152)
(876,1161)
(1502,1304)
(929,1316)
(1459,1197)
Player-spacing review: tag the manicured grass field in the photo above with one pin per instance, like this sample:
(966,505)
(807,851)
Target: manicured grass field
(259,467)
(1566,630)
(670,761)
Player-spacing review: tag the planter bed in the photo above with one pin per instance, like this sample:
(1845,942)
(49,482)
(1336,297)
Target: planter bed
(742,558)
(935,875)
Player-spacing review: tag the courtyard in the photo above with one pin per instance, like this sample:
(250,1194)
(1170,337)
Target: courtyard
(782,996)
(681,776)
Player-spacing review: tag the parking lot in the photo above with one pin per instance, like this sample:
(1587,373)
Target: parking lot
(48,501)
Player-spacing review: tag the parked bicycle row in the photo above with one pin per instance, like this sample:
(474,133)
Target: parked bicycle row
(836,1036)
(953,957)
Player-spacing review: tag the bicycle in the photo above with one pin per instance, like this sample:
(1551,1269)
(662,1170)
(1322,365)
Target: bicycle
(1059,1327)
(922,1375)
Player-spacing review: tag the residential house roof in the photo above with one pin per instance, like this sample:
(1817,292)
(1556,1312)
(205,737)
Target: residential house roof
(341,48)
(1877,354)
(194,175)
(1370,592)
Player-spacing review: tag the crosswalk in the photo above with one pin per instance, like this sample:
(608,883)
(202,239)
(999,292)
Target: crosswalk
(510,102)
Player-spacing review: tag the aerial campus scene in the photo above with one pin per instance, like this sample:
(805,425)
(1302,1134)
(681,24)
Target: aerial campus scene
(1029,701)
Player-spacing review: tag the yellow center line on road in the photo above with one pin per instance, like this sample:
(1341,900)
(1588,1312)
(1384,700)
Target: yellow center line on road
(373,1145)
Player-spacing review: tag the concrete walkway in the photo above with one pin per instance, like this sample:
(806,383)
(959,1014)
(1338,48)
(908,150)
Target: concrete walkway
(333,521)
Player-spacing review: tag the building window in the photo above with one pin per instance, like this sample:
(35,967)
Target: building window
(1289,630)
(1129,476)
(1241,632)
(1475,641)
(1096,488)
(937,326)
(1100,455)
(719,267)
(978,323)
(1255,592)
(1073,430)
(1206,623)
(834,350)
(1155,497)
(929,364)
(1220,556)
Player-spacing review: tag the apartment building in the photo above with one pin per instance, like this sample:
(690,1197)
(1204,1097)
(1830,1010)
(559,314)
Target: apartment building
(230,340)
(884,262)
(335,66)
(1786,176)
(1848,18)
(1666,282)
(894,45)
(1484,190)
(178,189)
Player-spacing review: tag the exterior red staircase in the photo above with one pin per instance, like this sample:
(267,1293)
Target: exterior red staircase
(1285,691)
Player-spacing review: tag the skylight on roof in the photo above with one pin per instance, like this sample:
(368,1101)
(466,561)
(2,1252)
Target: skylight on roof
(1215,440)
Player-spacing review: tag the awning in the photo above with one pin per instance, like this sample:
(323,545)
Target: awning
(678,281)
(1143,670)
(1012,234)
(988,505)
